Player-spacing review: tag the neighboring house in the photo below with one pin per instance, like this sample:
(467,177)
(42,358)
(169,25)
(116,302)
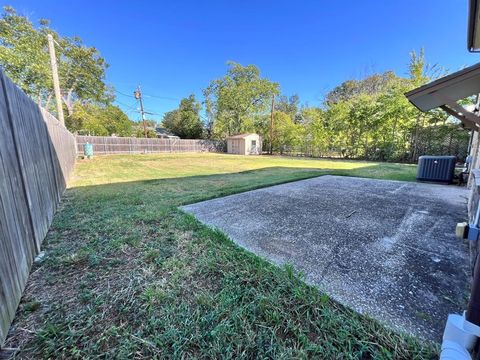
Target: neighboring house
(163,133)
(244,144)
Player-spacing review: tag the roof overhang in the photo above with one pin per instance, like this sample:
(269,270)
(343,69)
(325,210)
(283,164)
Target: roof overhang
(445,93)
(473,35)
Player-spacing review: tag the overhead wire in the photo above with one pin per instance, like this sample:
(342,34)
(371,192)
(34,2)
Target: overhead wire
(161,97)
(131,108)
(148,95)
(128,106)
(121,93)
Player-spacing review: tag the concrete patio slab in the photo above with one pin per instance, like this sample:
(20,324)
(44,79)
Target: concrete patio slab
(383,248)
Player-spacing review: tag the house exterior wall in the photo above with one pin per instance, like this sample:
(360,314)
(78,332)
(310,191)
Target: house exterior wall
(475,158)
(474,198)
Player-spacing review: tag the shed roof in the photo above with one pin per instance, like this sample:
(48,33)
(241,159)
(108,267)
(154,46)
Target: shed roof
(241,136)
(446,91)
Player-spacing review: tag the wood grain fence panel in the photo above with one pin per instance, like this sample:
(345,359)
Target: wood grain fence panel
(30,135)
(63,146)
(37,156)
(104,145)
(14,225)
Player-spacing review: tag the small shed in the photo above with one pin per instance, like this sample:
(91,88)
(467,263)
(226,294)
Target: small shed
(244,144)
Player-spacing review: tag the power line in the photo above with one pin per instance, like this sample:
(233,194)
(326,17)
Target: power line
(150,96)
(151,113)
(131,111)
(161,97)
(131,96)
(128,106)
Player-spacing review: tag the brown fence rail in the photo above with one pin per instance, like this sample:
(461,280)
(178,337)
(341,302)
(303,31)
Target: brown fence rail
(37,155)
(103,145)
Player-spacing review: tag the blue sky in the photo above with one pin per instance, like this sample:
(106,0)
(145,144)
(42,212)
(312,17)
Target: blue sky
(174,48)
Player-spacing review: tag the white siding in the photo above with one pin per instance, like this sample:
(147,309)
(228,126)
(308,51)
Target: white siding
(249,145)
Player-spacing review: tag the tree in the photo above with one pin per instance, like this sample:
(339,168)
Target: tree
(371,85)
(417,69)
(170,120)
(24,56)
(82,73)
(288,105)
(115,121)
(99,120)
(285,132)
(321,135)
(238,98)
(185,121)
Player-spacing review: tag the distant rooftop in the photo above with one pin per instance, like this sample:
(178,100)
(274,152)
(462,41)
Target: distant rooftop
(162,132)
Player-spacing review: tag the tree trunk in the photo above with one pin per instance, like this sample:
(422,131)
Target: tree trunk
(415,139)
(68,102)
(47,103)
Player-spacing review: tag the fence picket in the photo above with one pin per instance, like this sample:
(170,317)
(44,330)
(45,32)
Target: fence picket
(37,156)
(119,145)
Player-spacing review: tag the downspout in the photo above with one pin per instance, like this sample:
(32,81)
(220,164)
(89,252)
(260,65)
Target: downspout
(459,337)
(462,331)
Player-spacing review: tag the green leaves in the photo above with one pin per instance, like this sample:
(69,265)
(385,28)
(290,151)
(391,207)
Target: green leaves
(235,100)
(99,120)
(185,121)
(24,56)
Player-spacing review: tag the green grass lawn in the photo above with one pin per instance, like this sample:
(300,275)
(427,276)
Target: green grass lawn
(128,275)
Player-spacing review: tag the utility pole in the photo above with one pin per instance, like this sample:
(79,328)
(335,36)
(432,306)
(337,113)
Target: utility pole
(56,82)
(138,95)
(271,124)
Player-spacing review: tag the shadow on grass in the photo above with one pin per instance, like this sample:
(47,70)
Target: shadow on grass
(182,190)
(126,272)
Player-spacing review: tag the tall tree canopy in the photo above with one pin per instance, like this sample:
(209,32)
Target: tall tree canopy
(99,120)
(371,85)
(185,121)
(289,105)
(237,99)
(24,56)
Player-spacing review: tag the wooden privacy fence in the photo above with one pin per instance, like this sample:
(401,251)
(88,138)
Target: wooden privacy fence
(103,145)
(37,155)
